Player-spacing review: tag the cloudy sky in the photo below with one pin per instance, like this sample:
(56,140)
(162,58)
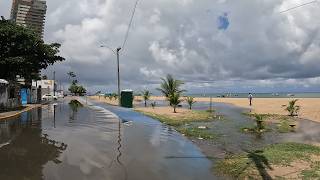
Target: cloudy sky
(213,45)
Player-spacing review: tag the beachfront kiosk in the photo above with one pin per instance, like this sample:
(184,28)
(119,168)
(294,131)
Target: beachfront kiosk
(127,98)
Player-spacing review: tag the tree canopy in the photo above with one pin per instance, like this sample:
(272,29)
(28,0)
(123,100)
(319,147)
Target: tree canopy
(77,89)
(170,88)
(23,52)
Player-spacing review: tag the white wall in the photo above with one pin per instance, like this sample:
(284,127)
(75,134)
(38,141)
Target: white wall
(3,94)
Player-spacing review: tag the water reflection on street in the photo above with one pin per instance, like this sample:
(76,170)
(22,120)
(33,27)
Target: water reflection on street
(70,140)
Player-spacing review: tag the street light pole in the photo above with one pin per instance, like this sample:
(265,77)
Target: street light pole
(119,93)
(54,83)
(118,72)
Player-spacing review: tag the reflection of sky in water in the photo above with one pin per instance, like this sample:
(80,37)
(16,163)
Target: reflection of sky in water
(94,150)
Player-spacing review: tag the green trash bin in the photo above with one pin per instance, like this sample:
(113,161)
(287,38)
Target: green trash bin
(127,98)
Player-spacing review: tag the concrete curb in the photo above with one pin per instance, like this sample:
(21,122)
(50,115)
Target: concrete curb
(20,112)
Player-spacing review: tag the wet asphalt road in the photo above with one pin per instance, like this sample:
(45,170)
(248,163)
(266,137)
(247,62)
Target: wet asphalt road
(70,141)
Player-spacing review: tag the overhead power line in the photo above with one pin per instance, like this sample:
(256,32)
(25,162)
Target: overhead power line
(298,6)
(129,26)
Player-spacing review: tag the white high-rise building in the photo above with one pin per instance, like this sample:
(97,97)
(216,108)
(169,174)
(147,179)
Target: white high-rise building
(30,13)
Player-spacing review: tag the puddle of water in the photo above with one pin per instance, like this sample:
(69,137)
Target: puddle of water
(68,141)
(232,140)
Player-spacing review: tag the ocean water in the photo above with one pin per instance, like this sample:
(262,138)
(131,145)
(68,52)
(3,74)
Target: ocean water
(260,95)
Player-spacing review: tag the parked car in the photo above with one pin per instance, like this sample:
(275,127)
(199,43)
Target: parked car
(60,95)
(48,97)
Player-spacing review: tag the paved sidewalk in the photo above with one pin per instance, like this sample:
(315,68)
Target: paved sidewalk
(10,114)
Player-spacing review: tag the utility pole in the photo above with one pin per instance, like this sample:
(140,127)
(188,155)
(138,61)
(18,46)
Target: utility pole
(211,110)
(119,93)
(54,83)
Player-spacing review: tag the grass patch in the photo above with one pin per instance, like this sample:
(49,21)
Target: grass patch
(285,126)
(254,114)
(192,116)
(196,132)
(255,164)
(254,130)
(313,173)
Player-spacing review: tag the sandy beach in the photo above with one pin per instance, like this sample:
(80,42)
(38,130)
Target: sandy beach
(165,111)
(105,100)
(310,107)
(108,101)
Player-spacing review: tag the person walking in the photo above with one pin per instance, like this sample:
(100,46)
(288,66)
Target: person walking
(250,97)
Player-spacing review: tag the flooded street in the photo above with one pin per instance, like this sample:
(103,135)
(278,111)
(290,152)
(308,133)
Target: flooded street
(231,140)
(70,141)
(73,140)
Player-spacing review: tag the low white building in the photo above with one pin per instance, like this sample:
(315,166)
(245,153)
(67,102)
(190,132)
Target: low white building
(8,95)
(4,96)
(47,86)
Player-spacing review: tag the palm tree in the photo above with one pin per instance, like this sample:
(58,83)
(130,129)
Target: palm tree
(146,96)
(259,121)
(115,96)
(153,105)
(292,108)
(174,100)
(190,100)
(71,74)
(169,86)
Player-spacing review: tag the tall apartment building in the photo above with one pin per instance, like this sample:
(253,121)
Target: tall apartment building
(30,13)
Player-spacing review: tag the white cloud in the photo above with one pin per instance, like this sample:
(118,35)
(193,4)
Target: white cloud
(260,47)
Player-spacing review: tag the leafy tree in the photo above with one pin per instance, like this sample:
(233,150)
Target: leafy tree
(175,100)
(74,81)
(44,77)
(190,100)
(23,52)
(81,90)
(292,108)
(71,74)
(146,96)
(73,88)
(77,89)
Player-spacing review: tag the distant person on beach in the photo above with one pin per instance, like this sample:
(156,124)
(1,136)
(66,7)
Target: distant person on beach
(250,97)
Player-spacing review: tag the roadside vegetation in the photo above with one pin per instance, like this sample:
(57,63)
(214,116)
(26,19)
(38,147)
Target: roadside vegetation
(181,119)
(292,108)
(146,96)
(183,122)
(24,53)
(197,132)
(75,88)
(271,161)
(171,89)
(190,100)
(185,118)
(284,124)
(271,122)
